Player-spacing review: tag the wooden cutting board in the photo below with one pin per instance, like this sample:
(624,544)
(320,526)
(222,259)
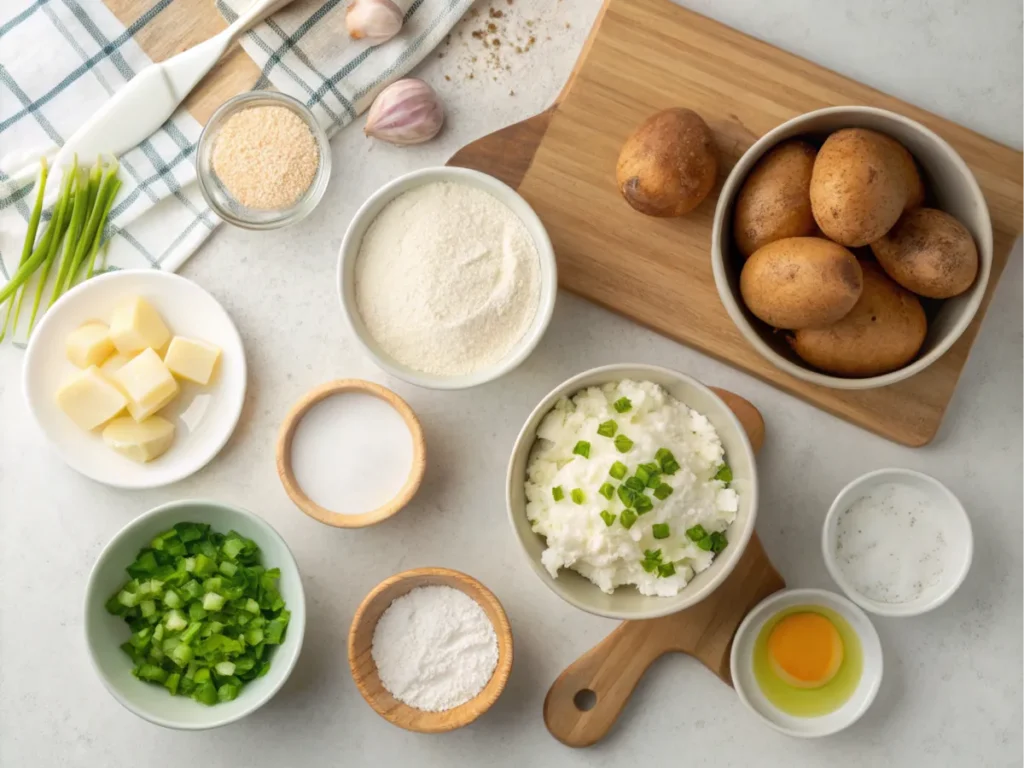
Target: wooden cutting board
(586,699)
(646,55)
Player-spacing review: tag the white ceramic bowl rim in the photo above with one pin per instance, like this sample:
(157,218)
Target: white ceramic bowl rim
(913,607)
(296,629)
(506,195)
(871,648)
(688,596)
(718,253)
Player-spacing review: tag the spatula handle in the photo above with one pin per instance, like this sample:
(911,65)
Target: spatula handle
(254,14)
(586,699)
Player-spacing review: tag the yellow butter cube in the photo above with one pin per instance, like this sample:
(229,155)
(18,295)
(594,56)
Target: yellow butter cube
(113,364)
(139,441)
(191,359)
(147,383)
(89,345)
(135,325)
(89,399)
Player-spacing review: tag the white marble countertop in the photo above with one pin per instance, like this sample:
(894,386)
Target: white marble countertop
(952,692)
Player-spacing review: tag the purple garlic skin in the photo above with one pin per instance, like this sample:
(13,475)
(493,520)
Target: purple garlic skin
(376,21)
(406,112)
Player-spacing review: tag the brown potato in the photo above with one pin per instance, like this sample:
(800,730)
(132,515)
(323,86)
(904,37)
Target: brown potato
(930,253)
(774,201)
(882,333)
(669,164)
(859,186)
(911,176)
(801,282)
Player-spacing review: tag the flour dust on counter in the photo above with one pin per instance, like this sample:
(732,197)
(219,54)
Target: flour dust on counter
(352,453)
(890,546)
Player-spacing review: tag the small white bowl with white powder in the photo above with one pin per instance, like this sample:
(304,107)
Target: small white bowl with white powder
(447,278)
(897,542)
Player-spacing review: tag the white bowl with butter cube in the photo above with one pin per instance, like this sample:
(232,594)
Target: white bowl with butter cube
(137,378)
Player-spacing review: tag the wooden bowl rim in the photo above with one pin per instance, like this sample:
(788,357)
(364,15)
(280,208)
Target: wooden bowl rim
(401,714)
(287,473)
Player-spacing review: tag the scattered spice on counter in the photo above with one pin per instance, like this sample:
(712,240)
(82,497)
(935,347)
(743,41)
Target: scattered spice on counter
(266,157)
(434,648)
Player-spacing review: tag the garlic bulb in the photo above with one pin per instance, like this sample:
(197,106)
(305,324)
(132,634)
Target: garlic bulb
(406,112)
(374,20)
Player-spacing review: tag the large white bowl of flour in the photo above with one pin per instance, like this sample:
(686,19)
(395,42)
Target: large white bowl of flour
(447,278)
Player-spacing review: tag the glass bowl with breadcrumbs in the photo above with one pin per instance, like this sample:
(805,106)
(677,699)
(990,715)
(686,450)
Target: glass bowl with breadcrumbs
(263,161)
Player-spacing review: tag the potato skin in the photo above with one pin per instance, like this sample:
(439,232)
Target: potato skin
(882,333)
(859,186)
(801,282)
(930,253)
(669,164)
(775,201)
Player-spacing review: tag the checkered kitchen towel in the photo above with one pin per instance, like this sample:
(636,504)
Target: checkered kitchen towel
(61,59)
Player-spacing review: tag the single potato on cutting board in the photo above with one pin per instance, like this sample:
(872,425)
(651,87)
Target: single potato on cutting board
(669,164)
(775,199)
(801,282)
(861,184)
(883,332)
(930,253)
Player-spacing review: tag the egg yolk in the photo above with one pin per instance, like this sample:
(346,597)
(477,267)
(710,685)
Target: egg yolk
(805,650)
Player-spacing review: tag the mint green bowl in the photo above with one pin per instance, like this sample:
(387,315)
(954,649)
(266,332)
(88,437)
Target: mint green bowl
(105,633)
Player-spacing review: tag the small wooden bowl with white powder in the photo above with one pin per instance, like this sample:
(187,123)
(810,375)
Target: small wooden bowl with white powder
(447,278)
(351,453)
(430,649)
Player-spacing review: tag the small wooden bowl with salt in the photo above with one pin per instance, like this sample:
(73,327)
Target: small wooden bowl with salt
(405,487)
(364,668)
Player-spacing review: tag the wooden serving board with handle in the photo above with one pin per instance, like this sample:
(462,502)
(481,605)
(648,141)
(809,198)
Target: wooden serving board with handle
(646,55)
(608,672)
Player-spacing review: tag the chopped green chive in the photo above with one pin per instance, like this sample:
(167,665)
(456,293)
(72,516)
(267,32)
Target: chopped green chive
(607,428)
(577,496)
(608,518)
(666,569)
(643,504)
(557,493)
(623,443)
(607,490)
(618,470)
(622,405)
(582,448)
(724,474)
(654,481)
(660,530)
(635,484)
(662,455)
(627,518)
(696,533)
(663,491)
(651,561)
(705,543)
(718,542)
(644,473)
(670,467)
(628,496)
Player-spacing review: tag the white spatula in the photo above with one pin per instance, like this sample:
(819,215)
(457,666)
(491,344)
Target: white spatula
(144,104)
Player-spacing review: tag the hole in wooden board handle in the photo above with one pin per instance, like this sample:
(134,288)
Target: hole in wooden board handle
(608,672)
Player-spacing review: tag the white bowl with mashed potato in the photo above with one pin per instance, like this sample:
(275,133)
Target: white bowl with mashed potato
(573,491)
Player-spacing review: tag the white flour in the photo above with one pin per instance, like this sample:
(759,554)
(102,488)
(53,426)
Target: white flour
(434,648)
(447,279)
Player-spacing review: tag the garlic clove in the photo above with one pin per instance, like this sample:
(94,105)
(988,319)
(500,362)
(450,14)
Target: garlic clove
(374,20)
(406,112)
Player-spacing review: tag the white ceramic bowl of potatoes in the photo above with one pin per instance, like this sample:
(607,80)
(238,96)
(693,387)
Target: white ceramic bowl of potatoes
(852,247)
